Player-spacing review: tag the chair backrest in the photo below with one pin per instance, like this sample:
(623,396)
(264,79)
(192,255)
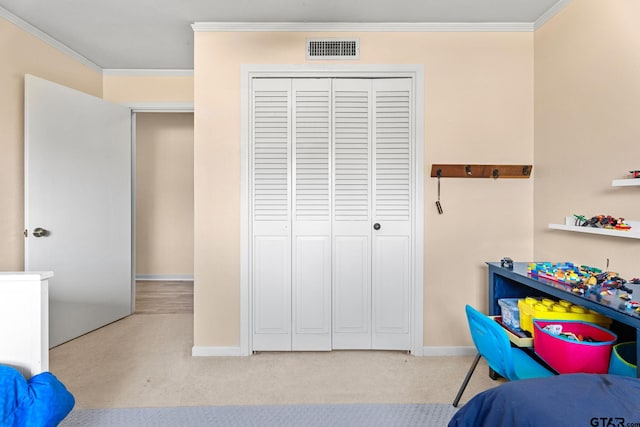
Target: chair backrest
(492,342)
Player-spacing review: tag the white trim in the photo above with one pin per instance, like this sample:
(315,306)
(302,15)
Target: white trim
(24,25)
(246,316)
(449,351)
(206,351)
(418,216)
(133,210)
(363,26)
(146,72)
(550,13)
(165,277)
(416,73)
(160,107)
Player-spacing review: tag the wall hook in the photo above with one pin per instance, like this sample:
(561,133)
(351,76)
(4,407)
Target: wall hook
(438,205)
(480,171)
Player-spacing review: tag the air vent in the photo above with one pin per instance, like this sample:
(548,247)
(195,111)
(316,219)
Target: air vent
(333,48)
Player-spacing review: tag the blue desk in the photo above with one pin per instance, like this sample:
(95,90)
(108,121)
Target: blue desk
(516,283)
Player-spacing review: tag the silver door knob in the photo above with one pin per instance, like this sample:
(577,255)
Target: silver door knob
(40,232)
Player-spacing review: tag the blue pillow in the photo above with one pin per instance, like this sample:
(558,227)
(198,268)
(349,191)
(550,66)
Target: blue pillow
(42,401)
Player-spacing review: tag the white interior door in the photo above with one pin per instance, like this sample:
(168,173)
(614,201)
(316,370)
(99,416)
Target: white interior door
(78,189)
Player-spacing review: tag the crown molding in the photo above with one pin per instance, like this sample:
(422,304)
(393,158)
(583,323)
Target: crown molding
(147,72)
(363,27)
(24,25)
(553,11)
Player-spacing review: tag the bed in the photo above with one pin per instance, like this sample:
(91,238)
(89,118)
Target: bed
(560,401)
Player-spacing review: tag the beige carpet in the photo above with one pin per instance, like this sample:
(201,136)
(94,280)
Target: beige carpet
(145,361)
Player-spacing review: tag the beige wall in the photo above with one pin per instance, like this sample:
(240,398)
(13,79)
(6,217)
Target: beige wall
(20,54)
(587,104)
(478,109)
(150,88)
(164,194)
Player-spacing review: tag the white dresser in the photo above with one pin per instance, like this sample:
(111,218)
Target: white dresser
(24,321)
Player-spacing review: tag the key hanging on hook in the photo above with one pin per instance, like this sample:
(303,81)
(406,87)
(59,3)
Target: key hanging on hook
(438,205)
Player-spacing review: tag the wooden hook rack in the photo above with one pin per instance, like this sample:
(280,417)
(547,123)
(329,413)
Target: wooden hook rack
(481,171)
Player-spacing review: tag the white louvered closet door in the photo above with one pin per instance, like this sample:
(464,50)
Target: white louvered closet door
(331,160)
(352,105)
(311,317)
(391,211)
(271,218)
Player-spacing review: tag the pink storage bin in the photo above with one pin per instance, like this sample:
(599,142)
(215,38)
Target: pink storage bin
(568,356)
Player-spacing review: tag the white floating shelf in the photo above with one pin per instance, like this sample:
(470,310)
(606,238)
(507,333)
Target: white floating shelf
(625,182)
(634,233)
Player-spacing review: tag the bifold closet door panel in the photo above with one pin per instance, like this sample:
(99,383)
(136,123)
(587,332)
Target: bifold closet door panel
(311,191)
(391,211)
(270,182)
(352,115)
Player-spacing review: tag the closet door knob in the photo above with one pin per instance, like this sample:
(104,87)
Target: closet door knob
(376,226)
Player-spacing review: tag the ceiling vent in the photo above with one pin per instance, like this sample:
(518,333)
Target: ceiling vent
(333,48)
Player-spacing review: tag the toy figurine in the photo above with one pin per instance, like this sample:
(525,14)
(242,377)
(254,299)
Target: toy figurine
(601,221)
(580,220)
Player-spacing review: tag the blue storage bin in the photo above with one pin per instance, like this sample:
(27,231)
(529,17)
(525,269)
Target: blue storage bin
(624,359)
(510,312)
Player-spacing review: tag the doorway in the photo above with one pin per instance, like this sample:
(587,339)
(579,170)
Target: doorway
(163,212)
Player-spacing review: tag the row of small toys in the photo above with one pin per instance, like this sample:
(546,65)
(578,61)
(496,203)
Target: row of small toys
(582,278)
(557,331)
(601,221)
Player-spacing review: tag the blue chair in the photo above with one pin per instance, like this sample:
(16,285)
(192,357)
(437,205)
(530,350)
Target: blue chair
(493,344)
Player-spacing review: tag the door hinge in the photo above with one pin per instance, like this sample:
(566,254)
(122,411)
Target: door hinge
(26,233)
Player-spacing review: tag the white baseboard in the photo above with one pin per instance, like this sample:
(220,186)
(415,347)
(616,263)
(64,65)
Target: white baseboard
(205,351)
(449,351)
(165,277)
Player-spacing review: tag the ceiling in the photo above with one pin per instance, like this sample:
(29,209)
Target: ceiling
(157,34)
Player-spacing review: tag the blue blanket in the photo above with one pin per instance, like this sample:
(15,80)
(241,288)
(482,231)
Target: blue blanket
(558,401)
(42,401)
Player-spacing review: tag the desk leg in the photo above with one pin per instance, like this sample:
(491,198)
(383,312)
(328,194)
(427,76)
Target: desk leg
(637,352)
(493,374)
